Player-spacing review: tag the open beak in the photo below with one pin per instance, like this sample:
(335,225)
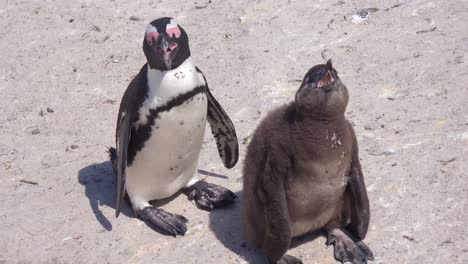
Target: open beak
(328,77)
(163,49)
(326,80)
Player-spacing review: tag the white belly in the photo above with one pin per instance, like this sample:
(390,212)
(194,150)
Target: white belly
(169,158)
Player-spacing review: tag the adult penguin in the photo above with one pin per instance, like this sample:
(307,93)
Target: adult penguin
(160,129)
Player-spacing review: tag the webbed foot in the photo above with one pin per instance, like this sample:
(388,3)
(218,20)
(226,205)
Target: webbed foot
(172,224)
(347,250)
(208,196)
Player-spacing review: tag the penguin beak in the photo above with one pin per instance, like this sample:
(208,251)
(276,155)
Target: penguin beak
(326,80)
(164,49)
(328,77)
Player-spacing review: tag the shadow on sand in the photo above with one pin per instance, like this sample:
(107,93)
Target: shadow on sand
(98,180)
(228,227)
(226,224)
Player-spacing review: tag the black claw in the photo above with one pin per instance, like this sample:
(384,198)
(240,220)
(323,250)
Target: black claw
(208,196)
(367,251)
(172,224)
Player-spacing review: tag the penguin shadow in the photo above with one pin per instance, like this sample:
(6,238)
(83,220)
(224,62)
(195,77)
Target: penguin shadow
(99,181)
(212,174)
(226,224)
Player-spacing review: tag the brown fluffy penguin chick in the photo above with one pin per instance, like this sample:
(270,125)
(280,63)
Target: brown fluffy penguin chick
(302,173)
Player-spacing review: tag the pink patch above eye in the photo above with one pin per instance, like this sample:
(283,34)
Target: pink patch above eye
(173,31)
(152,36)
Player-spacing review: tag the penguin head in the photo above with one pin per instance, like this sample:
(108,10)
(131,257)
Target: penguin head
(322,92)
(165,44)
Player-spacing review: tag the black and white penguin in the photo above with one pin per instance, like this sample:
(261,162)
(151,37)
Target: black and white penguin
(160,129)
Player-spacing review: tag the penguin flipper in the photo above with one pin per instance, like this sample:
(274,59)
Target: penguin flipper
(123,137)
(222,129)
(357,194)
(271,193)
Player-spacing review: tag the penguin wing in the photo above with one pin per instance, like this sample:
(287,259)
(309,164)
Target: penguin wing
(123,137)
(222,129)
(357,193)
(132,99)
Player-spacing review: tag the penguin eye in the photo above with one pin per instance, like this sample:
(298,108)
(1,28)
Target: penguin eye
(310,80)
(173,31)
(151,36)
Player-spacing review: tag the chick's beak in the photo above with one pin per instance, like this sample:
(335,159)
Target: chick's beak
(326,80)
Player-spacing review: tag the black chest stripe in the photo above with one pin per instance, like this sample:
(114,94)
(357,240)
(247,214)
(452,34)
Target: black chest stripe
(142,133)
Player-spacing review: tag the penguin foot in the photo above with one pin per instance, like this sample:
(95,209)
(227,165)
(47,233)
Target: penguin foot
(208,196)
(172,224)
(347,250)
(287,259)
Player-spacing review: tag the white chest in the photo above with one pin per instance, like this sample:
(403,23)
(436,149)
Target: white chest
(169,157)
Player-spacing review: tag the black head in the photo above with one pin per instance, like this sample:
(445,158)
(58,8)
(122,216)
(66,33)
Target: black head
(322,93)
(165,44)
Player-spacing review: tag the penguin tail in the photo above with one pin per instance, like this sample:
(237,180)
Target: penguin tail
(113,158)
(112,153)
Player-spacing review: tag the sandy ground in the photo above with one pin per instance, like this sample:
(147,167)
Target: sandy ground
(65,64)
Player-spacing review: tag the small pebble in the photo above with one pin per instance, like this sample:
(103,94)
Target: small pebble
(36,131)
(71,20)
(50,110)
(389,151)
(109,101)
(410,238)
(74,146)
(359,17)
(41,113)
(394,164)
(134,18)
(96,28)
